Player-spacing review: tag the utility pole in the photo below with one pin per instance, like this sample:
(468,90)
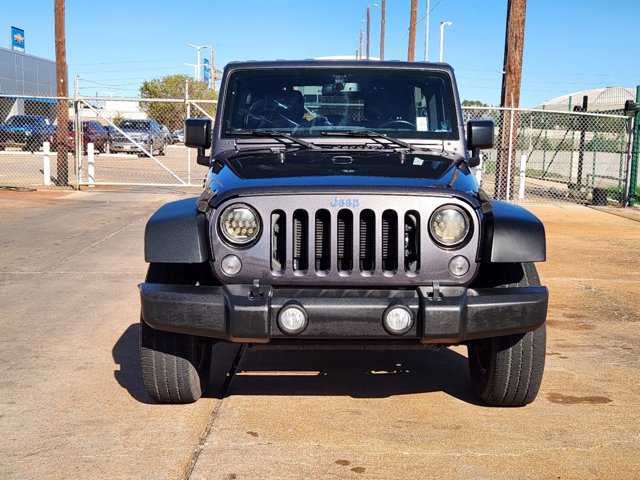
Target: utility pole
(368,28)
(383,11)
(510,97)
(412,30)
(360,49)
(62,172)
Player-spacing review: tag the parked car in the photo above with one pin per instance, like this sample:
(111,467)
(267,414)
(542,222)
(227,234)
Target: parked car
(178,136)
(145,133)
(92,132)
(26,131)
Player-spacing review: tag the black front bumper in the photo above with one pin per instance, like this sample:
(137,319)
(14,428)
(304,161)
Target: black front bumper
(244,313)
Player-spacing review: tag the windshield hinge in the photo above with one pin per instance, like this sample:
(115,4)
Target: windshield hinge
(280,152)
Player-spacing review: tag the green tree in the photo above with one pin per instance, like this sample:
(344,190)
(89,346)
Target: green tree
(173,114)
(473,103)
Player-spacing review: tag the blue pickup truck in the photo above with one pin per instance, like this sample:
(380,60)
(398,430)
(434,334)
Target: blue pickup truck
(26,131)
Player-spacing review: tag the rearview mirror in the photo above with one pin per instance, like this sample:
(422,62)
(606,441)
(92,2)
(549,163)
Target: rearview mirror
(197,134)
(479,136)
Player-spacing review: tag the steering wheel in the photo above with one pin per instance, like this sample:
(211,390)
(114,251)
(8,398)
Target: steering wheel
(397,122)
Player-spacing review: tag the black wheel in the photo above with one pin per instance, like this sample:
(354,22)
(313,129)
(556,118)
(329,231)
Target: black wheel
(175,367)
(163,150)
(507,371)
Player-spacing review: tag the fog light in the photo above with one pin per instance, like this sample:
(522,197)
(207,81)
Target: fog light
(397,320)
(458,266)
(292,319)
(231,265)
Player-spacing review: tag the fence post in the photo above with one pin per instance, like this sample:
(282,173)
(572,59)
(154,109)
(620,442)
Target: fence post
(585,100)
(633,176)
(188,105)
(77,130)
(91,165)
(46,163)
(523,176)
(510,156)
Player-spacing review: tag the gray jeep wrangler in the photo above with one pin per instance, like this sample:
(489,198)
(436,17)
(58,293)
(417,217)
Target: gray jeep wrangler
(340,211)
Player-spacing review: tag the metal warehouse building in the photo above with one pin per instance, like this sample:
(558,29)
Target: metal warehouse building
(608,99)
(23,78)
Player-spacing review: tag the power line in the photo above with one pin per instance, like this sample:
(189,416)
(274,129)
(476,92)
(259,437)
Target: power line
(415,24)
(164,59)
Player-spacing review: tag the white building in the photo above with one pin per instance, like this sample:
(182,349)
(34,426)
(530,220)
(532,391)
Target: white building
(608,99)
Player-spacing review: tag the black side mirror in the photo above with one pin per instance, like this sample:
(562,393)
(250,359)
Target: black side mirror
(197,134)
(479,136)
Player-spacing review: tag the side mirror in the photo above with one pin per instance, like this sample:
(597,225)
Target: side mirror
(479,136)
(197,134)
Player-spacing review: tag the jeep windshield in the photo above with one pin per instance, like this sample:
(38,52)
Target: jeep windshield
(314,102)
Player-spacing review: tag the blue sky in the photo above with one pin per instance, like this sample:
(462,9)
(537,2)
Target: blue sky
(114,45)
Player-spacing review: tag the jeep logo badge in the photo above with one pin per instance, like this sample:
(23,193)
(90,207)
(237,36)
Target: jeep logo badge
(345,202)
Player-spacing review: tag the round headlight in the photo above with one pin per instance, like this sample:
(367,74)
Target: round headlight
(239,224)
(449,225)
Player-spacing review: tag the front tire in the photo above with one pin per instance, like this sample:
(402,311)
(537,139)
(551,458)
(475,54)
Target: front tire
(507,371)
(175,367)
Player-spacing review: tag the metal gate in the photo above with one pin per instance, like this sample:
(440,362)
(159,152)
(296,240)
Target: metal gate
(141,151)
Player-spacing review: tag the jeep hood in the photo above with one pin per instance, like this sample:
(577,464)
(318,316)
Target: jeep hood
(227,183)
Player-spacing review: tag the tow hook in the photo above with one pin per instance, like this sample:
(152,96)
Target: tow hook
(255,289)
(436,295)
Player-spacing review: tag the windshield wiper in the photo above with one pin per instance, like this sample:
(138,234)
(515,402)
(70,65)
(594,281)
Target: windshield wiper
(401,146)
(285,139)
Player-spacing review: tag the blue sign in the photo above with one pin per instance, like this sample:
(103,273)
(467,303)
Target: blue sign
(17,39)
(206,71)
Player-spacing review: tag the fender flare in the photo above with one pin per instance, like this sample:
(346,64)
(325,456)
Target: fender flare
(512,235)
(176,233)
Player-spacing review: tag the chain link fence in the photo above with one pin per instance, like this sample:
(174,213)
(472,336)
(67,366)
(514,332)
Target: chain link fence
(107,141)
(541,155)
(538,155)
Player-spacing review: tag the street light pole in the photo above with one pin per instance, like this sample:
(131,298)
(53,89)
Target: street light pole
(383,14)
(198,48)
(442,25)
(368,28)
(426,32)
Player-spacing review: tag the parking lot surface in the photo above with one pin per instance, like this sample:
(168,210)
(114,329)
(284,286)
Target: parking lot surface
(72,404)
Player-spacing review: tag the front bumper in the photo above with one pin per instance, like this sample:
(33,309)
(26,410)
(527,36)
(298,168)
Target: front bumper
(245,313)
(126,147)
(16,139)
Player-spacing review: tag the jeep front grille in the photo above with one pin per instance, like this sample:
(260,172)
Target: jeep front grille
(358,242)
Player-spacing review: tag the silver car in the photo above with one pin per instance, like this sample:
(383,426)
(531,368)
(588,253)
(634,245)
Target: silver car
(147,134)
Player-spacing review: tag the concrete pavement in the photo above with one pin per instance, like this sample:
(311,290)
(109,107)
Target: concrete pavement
(72,404)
